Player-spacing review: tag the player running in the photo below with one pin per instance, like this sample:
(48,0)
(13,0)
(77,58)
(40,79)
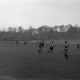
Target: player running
(66,46)
(51,47)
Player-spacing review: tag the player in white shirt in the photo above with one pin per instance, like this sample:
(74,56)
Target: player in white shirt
(66,46)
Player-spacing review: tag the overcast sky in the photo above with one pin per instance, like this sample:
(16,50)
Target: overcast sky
(38,12)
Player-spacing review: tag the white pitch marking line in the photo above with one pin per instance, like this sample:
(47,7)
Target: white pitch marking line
(3,77)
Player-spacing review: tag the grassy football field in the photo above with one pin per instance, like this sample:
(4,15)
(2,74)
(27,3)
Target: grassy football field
(25,63)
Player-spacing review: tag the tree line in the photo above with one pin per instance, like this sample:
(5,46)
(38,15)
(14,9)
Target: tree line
(43,32)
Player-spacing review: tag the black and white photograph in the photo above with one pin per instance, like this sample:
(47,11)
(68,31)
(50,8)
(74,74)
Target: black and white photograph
(39,39)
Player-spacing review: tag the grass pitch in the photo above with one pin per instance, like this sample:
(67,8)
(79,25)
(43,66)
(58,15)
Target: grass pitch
(25,63)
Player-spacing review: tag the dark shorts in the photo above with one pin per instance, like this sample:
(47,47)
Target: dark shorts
(78,46)
(66,50)
(40,46)
(51,48)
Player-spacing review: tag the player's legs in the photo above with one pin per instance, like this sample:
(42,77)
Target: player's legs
(48,51)
(77,49)
(51,51)
(39,50)
(66,55)
(63,51)
(16,44)
(24,44)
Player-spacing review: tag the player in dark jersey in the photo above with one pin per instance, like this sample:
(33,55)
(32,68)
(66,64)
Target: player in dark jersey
(42,43)
(24,43)
(17,43)
(40,47)
(51,47)
(77,47)
(66,50)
